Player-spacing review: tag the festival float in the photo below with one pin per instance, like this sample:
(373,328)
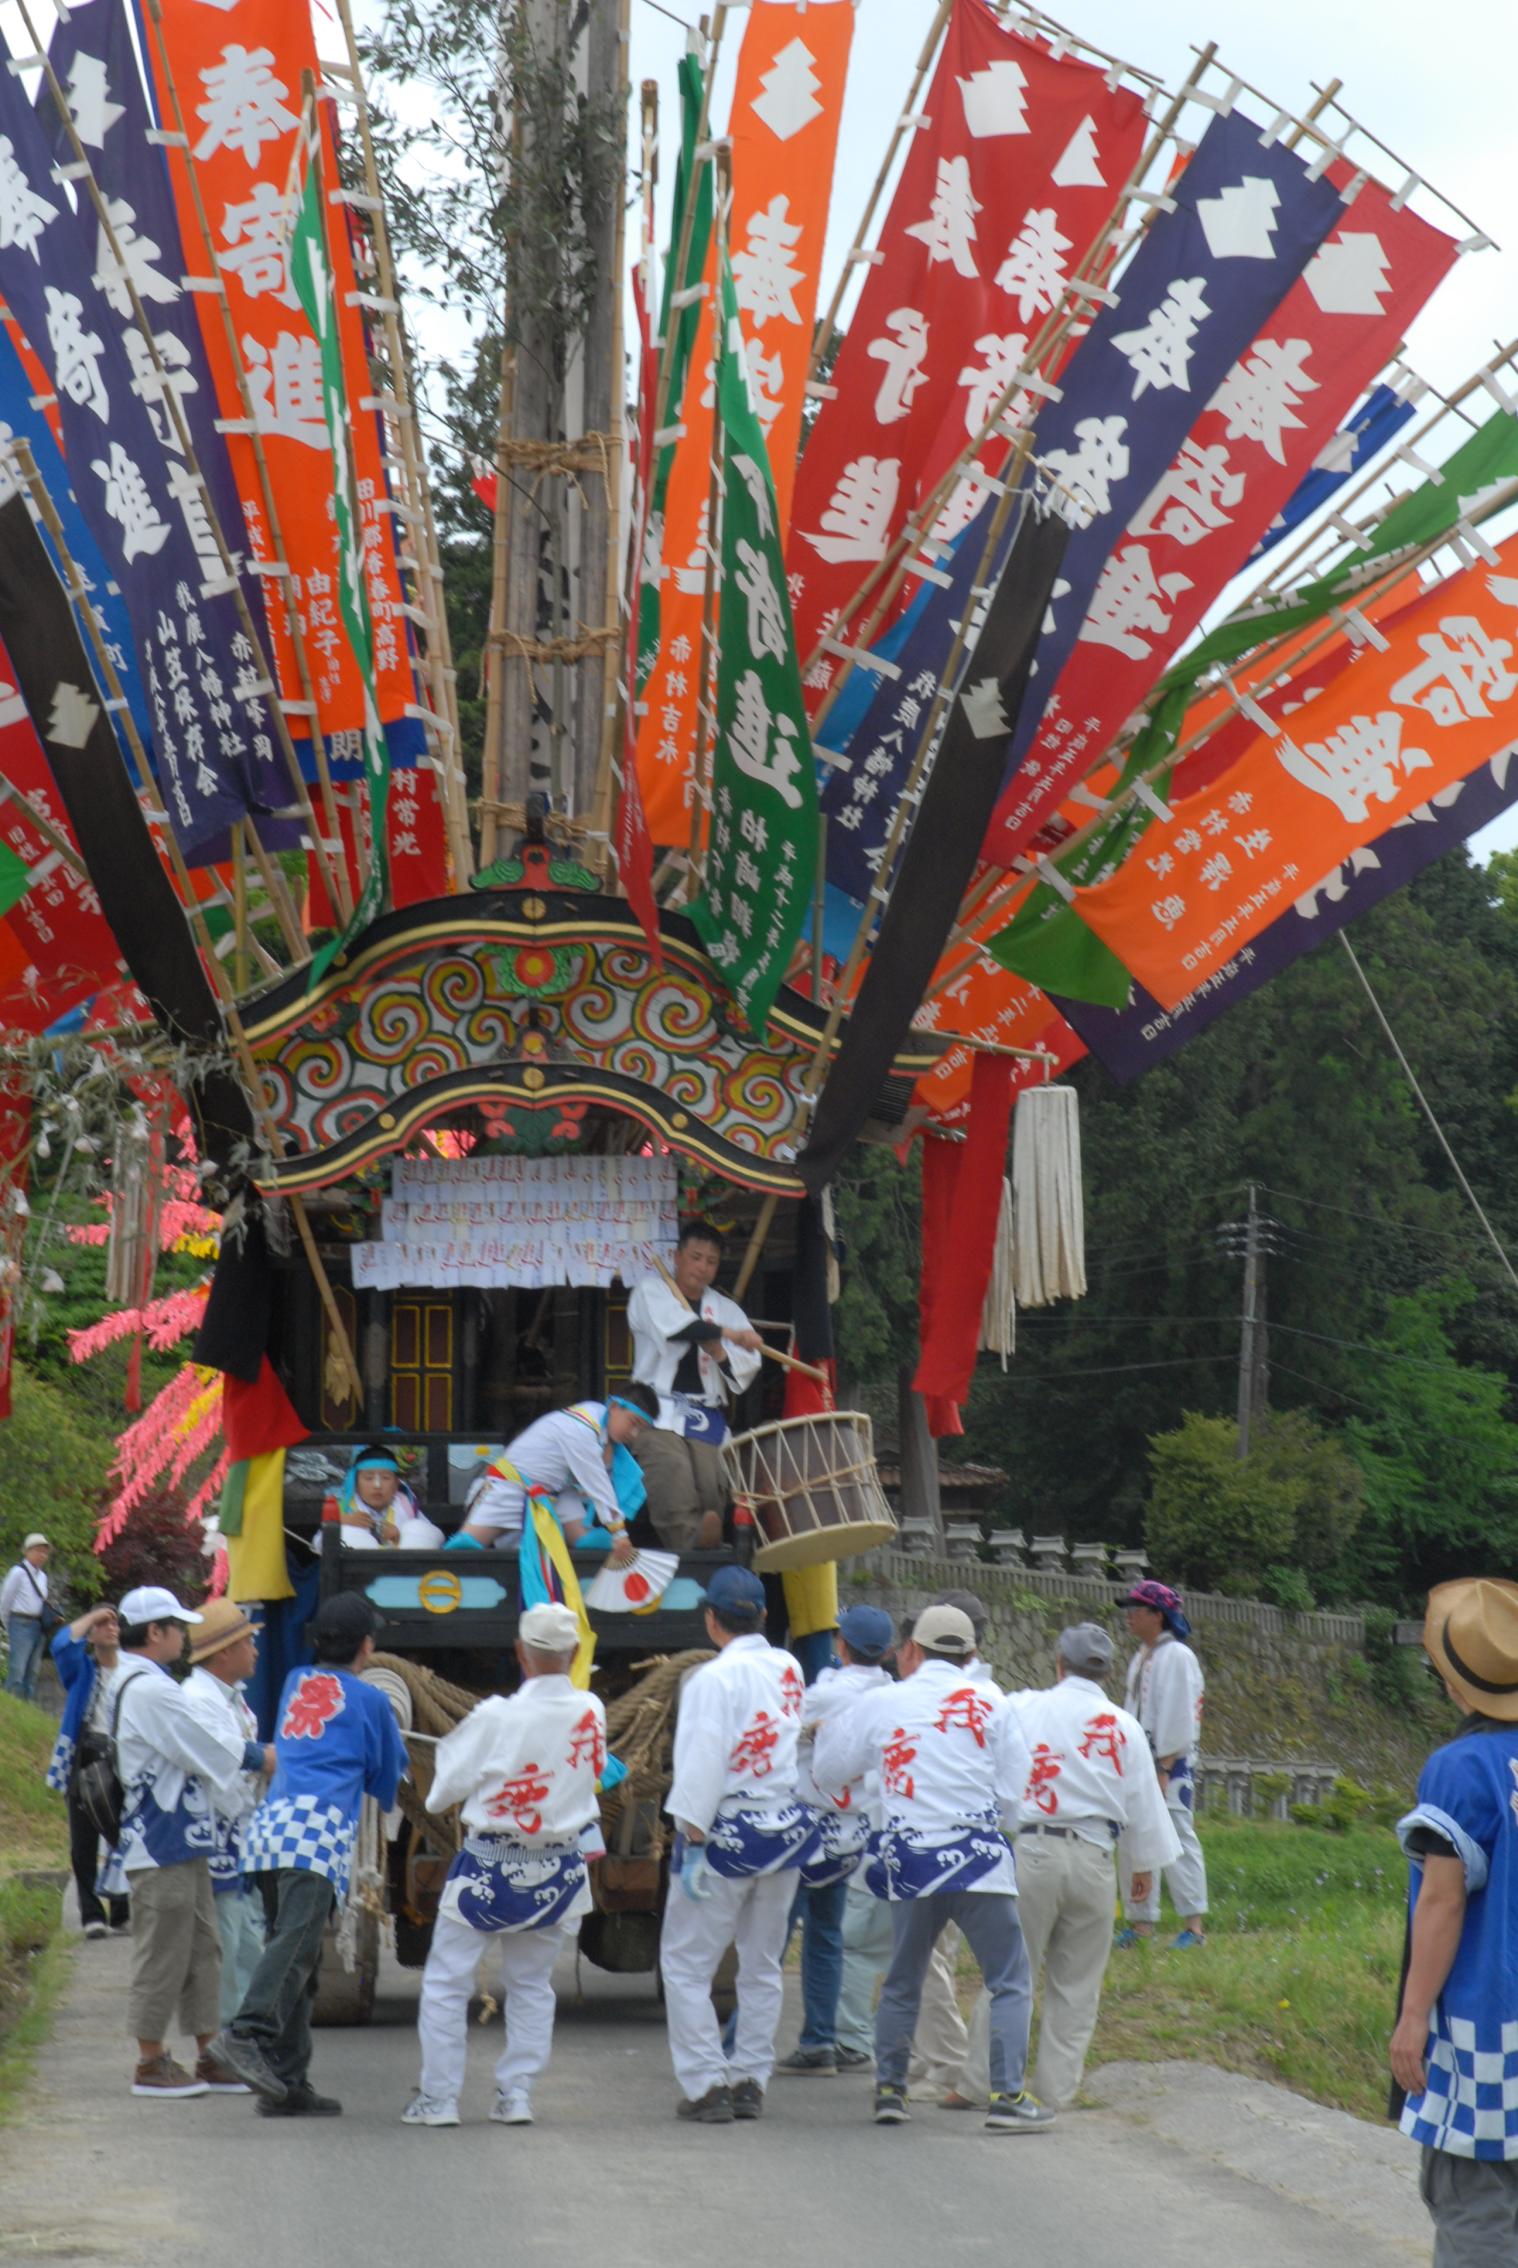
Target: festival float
(881,705)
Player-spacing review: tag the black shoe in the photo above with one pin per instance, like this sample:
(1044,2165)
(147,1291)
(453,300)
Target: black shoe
(302,2102)
(714,2108)
(248,2060)
(852,2059)
(891,2106)
(810,2063)
(748,2099)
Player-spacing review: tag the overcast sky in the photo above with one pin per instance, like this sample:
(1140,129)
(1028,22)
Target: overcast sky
(1435,83)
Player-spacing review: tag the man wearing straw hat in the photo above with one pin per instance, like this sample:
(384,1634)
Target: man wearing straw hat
(223,1655)
(697,1349)
(1454,2053)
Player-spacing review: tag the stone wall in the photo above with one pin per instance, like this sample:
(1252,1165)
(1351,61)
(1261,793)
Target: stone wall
(1284,1692)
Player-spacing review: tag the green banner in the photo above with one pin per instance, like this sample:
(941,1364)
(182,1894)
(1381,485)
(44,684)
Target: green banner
(681,346)
(761,858)
(315,286)
(1046,941)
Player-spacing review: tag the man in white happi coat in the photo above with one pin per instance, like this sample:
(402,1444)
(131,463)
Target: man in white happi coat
(1092,1778)
(223,1655)
(567,1459)
(953,1765)
(698,1351)
(1164,1692)
(524,1769)
(740,1837)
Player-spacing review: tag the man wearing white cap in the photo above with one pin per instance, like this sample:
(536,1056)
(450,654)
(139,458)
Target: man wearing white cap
(169,1760)
(23,1609)
(953,1765)
(1092,1779)
(223,1653)
(524,1769)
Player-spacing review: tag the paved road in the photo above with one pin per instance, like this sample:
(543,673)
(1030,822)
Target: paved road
(1225,2170)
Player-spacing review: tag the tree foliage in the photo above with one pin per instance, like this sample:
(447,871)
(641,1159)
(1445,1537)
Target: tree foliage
(53,1465)
(1243,1524)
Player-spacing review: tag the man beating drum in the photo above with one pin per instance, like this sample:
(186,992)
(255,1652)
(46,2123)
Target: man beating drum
(695,1348)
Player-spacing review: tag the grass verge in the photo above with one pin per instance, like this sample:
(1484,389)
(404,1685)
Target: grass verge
(34,1956)
(1298,1979)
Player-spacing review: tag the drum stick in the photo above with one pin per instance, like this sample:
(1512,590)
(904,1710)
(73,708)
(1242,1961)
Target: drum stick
(786,1362)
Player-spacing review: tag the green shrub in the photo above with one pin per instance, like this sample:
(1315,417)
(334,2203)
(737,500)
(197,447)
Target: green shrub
(1287,1588)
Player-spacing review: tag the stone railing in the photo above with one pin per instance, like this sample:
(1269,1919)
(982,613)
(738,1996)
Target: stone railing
(910,1567)
(1227,1783)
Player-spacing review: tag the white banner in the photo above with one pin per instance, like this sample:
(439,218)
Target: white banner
(524,1221)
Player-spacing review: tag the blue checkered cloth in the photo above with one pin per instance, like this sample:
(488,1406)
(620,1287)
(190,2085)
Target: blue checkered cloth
(1468,1806)
(300,1831)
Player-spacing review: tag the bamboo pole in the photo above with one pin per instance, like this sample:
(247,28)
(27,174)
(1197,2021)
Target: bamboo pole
(822,337)
(277,569)
(444,719)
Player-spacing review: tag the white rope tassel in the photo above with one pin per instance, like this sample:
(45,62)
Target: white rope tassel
(998,1318)
(1049,1227)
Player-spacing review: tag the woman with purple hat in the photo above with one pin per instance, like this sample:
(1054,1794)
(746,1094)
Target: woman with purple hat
(1165,1694)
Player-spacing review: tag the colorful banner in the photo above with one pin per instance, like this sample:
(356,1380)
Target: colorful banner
(1012,172)
(762,857)
(1374,426)
(945,1090)
(1241,459)
(313,279)
(237,67)
(92,56)
(1390,734)
(787,105)
(1129,1041)
(151,527)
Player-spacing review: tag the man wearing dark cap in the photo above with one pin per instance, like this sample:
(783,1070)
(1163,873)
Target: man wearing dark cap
(1164,1692)
(740,1836)
(1092,1779)
(953,1765)
(1453,2054)
(337,1741)
(866,1635)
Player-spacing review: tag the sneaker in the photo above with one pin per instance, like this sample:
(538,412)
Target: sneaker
(512,2107)
(714,2108)
(852,2059)
(97,1929)
(304,2102)
(429,2110)
(162,2076)
(1186,1940)
(219,2080)
(748,2099)
(1018,2114)
(1126,1939)
(805,2062)
(246,2060)
(891,2105)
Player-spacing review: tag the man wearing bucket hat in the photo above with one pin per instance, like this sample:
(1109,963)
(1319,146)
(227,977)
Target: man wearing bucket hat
(1453,2056)
(168,1761)
(27,1615)
(524,1770)
(1164,1692)
(223,1654)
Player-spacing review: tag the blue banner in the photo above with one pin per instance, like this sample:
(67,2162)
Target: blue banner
(209,708)
(1378,420)
(1244,222)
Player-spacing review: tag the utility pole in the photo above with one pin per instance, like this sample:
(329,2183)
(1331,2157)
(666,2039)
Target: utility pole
(1250,1239)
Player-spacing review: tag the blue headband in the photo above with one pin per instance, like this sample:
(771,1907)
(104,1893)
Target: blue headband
(376,1461)
(615,1402)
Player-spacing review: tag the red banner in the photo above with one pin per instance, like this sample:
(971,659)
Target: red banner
(1258,437)
(1385,736)
(66,949)
(1013,171)
(237,68)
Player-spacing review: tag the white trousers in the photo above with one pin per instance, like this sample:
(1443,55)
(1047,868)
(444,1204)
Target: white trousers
(1185,1879)
(938,2048)
(527,1958)
(754,1916)
(1066,1898)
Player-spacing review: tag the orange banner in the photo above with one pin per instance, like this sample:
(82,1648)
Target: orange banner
(1388,734)
(237,72)
(787,104)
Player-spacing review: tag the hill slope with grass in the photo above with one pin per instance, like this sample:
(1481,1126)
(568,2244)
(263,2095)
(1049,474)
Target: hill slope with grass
(33,1857)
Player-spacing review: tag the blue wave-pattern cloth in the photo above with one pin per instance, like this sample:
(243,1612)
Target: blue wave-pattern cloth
(745,1841)
(902,1865)
(1468,1795)
(498,1886)
(842,1840)
(336,1742)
